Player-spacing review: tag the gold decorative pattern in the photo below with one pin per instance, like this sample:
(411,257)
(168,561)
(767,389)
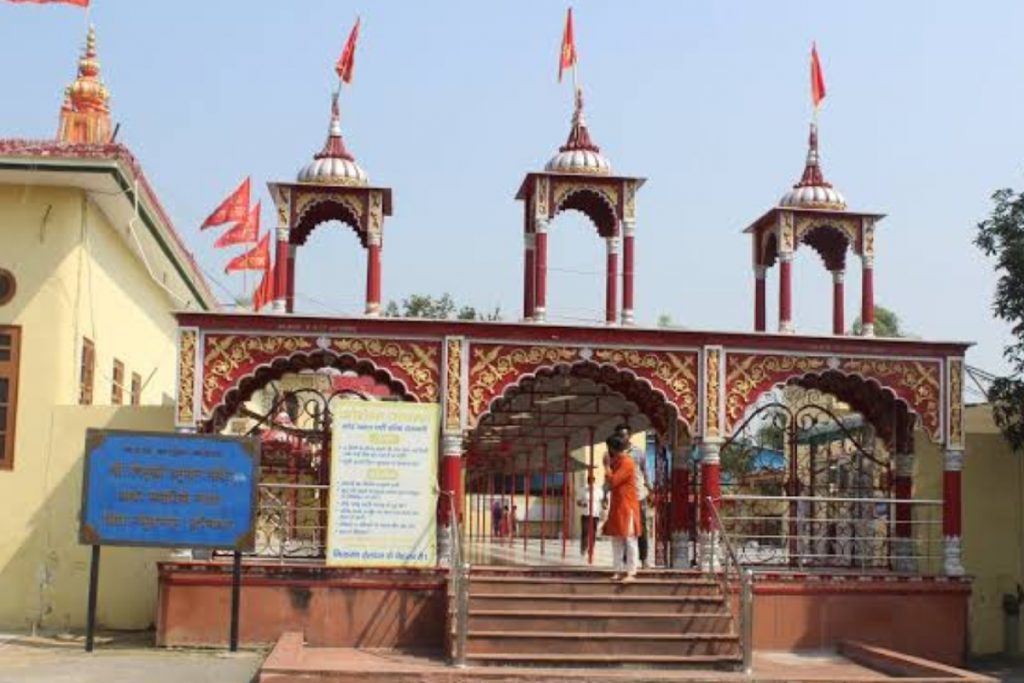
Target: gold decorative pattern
(608,193)
(418,363)
(868,236)
(495,367)
(228,358)
(453,386)
(187,340)
(844,224)
(956,403)
(629,205)
(673,373)
(748,375)
(306,201)
(786,238)
(540,198)
(712,393)
(376,212)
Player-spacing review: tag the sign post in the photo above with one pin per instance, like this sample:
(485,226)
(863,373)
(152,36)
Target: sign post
(168,490)
(382,502)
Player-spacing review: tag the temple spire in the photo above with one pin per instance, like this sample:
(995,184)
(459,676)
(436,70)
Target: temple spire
(334,147)
(579,135)
(813,177)
(85,114)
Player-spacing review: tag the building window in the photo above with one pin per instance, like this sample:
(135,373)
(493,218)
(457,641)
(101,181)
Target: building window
(136,389)
(7,286)
(10,338)
(86,372)
(117,384)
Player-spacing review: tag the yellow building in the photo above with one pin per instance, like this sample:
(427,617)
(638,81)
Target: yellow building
(90,271)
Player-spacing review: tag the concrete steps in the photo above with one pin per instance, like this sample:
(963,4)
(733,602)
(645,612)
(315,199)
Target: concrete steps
(553,616)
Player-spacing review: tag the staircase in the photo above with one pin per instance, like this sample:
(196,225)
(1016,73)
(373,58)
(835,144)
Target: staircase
(570,617)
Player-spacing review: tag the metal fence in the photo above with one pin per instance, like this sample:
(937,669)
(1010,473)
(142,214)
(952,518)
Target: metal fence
(816,531)
(291,520)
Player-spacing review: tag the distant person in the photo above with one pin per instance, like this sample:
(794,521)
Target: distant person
(643,490)
(496,514)
(503,530)
(590,499)
(623,523)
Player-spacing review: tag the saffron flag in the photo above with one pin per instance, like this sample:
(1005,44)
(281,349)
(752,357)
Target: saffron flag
(817,78)
(347,60)
(266,292)
(234,208)
(568,56)
(246,231)
(79,3)
(257,258)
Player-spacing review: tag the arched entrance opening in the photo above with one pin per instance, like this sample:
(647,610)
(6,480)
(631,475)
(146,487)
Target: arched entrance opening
(289,405)
(534,465)
(819,475)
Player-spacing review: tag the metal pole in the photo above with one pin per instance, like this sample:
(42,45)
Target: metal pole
(590,530)
(236,586)
(747,615)
(565,495)
(544,500)
(94,581)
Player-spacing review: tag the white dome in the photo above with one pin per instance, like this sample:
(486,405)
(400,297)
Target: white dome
(333,170)
(579,161)
(814,197)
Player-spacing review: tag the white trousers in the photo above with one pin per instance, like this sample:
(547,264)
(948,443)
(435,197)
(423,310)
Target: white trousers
(624,547)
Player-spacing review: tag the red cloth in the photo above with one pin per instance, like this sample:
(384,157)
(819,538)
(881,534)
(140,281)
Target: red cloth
(234,208)
(257,258)
(347,60)
(817,78)
(79,3)
(266,292)
(624,502)
(567,58)
(246,231)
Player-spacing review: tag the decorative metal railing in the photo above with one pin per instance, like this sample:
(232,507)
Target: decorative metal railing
(458,585)
(806,532)
(732,570)
(291,521)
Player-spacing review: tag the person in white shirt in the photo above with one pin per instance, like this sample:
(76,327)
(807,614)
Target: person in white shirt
(590,499)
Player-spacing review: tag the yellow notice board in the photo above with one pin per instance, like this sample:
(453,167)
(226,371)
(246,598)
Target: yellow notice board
(383,502)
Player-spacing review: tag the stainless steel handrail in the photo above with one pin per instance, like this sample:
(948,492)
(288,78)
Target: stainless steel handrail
(458,573)
(746,581)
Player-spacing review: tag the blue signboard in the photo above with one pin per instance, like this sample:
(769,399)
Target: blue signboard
(172,490)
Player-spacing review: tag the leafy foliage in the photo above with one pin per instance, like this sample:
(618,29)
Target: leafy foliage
(439,308)
(1001,236)
(887,324)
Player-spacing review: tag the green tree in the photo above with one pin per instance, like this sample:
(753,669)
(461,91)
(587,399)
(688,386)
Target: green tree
(437,308)
(887,324)
(1001,237)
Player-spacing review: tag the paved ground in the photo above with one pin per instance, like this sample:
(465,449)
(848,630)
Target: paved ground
(1004,670)
(118,658)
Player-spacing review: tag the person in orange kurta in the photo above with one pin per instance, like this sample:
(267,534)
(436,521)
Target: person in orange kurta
(623,523)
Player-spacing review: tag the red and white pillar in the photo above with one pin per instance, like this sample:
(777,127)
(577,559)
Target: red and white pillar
(289,303)
(628,270)
(710,473)
(541,277)
(951,511)
(838,298)
(373,246)
(451,493)
(867,296)
(760,316)
(903,536)
(680,498)
(282,253)
(786,292)
(611,280)
(529,274)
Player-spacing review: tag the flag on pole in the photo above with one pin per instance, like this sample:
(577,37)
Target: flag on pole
(234,208)
(246,231)
(347,60)
(817,78)
(257,258)
(567,58)
(266,292)
(78,3)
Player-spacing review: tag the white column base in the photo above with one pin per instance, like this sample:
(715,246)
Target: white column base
(786,327)
(539,315)
(627,316)
(953,564)
(372,310)
(680,550)
(868,330)
(709,551)
(444,547)
(278,306)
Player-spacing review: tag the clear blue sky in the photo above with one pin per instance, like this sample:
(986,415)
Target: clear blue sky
(454,101)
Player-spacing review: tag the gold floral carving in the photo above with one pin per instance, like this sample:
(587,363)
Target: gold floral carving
(418,362)
(608,193)
(914,381)
(453,386)
(844,224)
(306,201)
(227,355)
(493,366)
(712,393)
(956,405)
(629,206)
(376,212)
(186,376)
(868,241)
(746,375)
(786,239)
(540,198)
(675,371)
